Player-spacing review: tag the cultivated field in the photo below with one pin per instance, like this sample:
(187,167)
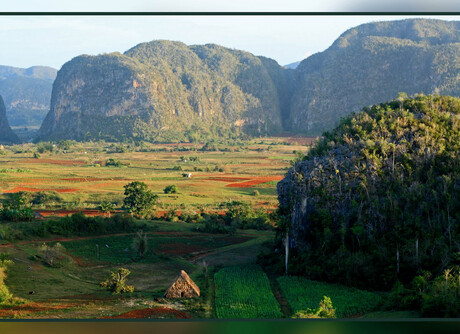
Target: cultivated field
(245,292)
(247,172)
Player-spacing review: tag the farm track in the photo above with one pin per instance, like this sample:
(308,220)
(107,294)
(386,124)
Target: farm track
(282,301)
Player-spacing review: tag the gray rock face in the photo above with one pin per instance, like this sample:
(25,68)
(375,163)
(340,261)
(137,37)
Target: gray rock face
(166,90)
(7,136)
(371,64)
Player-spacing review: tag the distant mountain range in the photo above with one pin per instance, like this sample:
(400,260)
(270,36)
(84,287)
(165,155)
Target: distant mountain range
(164,91)
(26,93)
(292,66)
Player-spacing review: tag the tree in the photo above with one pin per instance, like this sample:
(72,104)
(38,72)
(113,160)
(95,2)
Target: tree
(107,208)
(140,243)
(117,283)
(139,199)
(171,189)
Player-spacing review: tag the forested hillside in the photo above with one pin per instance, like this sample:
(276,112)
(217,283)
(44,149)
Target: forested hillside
(377,200)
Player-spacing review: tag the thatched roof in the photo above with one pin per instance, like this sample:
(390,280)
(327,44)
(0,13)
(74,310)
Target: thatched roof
(182,282)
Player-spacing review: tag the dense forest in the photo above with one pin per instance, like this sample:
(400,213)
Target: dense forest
(378,199)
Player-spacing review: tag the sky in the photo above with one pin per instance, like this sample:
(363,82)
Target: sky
(29,40)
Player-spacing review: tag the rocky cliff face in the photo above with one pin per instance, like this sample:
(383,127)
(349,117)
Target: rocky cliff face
(7,136)
(26,93)
(371,64)
(166,91)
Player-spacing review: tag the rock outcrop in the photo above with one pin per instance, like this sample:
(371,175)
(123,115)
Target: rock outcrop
(7,136)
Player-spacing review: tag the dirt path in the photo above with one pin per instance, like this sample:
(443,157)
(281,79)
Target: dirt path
(285,307)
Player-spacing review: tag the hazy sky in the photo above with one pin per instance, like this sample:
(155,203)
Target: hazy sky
(53,40)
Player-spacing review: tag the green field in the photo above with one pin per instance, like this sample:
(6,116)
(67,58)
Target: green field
(303,294)
(244,292)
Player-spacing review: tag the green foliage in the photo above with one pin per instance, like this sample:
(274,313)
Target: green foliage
(384,182)
(139,199)
(66,144)
(115,163)
(78,224)
(46,198)
(171,189)
(17,208)
(304,296)
(324,310)
(436,298)
(238,215)
(15,170)
(107,207)
(117,282)
(244,292)
(5,295)
(45,147)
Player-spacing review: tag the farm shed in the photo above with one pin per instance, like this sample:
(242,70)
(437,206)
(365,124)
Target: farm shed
(182,287)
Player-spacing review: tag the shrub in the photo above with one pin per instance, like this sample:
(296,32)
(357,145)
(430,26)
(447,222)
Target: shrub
(117,283)
(171,189)
(115,163)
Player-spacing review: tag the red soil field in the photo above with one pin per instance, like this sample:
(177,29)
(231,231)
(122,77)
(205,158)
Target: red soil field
(54,162)
(18,189)
(34,308)
(152,313)
(228,179)
(255,181)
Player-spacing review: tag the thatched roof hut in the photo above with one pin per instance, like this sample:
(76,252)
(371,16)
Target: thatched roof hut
(182,287)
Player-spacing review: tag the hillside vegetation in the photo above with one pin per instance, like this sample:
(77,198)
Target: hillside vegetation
(377,200)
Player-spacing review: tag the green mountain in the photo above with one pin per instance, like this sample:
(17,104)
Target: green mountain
(164,91)
(372,63)
(26,93)
(378,199)
(7,136)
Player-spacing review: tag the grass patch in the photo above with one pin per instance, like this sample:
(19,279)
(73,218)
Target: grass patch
(303,294)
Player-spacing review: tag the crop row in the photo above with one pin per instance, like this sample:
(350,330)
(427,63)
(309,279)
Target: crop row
(244,292)
(303,294)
